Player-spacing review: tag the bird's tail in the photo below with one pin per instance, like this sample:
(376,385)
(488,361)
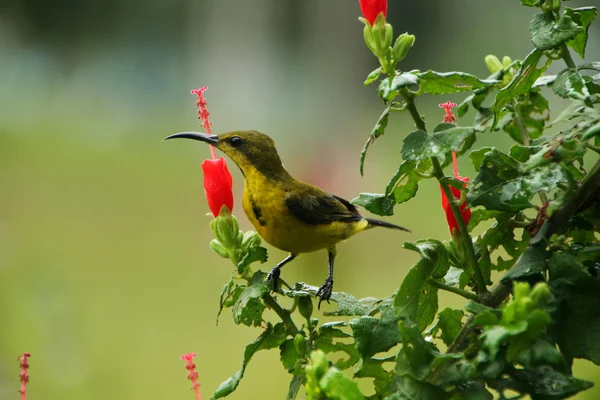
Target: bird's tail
(375,222)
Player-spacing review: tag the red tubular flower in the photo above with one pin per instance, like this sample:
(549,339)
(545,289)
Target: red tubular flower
(217,185)
(372,8)
(192,374)
(23,375)
(464,211)
(217,178)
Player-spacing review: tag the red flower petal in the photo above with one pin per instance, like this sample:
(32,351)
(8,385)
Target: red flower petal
(371,9)
(217,185)
(464,210)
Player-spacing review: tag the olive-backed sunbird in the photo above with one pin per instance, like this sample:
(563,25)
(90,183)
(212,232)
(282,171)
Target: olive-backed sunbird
(291,215)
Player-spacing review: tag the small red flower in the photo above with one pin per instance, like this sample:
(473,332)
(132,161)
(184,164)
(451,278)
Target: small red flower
(192,374)
(372,8)
(449,116)
(217,185)
(23,375)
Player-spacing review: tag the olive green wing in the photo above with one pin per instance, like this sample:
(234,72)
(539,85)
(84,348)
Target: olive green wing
(316,207)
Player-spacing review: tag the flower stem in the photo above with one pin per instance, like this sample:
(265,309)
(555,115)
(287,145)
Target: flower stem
(566,56)
(438,172)
(283,314)
(455,290)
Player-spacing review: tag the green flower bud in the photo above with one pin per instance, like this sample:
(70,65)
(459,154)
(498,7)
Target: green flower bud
(218,248)
(368,34)
(506,61)
(319,364)
(540,294)
(389,36)
(225,233)
(300,344)
(239,239)
(493,64)
(520,290)
(403,43)
(305,306)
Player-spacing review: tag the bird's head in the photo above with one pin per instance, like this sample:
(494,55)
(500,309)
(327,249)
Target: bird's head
(250,150)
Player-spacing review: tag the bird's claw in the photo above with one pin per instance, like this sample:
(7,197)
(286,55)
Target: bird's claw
(274,276)
(325,291)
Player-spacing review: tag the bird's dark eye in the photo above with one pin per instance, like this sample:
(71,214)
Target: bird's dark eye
(236,141)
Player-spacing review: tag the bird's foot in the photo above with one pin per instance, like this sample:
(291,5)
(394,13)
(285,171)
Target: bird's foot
(274,276)
(325,291)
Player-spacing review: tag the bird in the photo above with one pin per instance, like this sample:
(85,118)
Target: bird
(289,214)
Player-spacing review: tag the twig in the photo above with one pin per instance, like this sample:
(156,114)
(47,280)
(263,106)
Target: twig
(283,314)
(455,290)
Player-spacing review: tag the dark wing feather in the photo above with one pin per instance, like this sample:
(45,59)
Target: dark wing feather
(313,206)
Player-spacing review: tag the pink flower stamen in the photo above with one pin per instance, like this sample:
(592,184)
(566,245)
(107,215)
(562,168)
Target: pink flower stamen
(449,117)
(203,114)
(23,375)
(192,374)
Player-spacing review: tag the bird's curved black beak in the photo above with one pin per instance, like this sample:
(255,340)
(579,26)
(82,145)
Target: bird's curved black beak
(203,137)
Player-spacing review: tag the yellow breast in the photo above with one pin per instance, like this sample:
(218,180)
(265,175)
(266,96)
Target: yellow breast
(265,206)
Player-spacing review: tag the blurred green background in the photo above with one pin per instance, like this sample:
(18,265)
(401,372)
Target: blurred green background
(105,272)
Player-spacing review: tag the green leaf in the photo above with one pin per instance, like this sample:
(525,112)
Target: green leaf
(570,84)
(479,215)
(389,87)
(546,33)
(350,306)
(253,254)
(449,323)
(328,342)
(229,295)
(295,385)
(374,335)
(575,317)
(408,388)
(532,262)
(417,356)
(521,82)
(583,17)
(477,156)
(418,145)
(378,204)
(433,82)
(530,115)
(408,190)
(544,381)
(272,337)
(372,77)
(378,130)
(415,299)
(288,354)
(531,3)
(373,368)
(337,386)
(248,309)
(502,185)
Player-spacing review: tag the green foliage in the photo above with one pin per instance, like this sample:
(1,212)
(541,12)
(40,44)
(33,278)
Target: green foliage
(535,205)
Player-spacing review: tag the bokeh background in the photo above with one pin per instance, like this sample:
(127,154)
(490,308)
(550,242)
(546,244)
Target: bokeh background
(105,271)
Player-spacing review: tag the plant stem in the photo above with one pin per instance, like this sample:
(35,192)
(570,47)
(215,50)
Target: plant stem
(566,56)
(283,314)
(438,172)
(455,290)
(412,109)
